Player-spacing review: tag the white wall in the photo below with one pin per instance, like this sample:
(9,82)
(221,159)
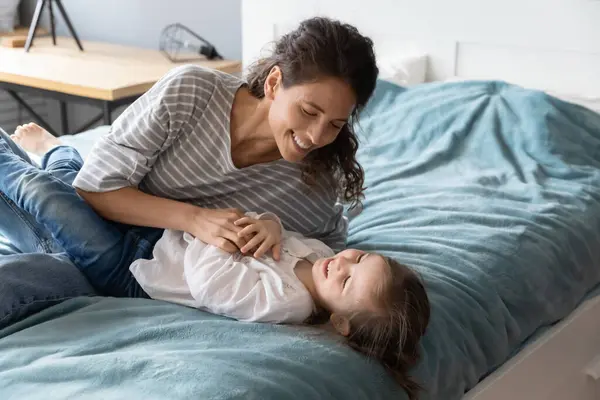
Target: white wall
(140,23)
(551,29)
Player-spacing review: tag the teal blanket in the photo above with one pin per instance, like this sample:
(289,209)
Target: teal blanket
(105,349)
(490,191)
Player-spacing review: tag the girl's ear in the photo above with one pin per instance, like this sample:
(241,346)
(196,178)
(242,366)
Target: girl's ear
(341,324)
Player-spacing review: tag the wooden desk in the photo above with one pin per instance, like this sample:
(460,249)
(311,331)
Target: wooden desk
(104,74)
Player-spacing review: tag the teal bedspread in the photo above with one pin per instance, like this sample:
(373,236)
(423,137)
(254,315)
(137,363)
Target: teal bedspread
(115,349)
(490,191)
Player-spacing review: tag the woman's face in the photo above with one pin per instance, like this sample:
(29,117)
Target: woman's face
(309,116)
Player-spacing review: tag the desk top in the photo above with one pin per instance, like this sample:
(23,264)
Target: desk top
(103,71)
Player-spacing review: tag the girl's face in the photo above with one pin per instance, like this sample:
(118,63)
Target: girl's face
(309,116)
(350,281)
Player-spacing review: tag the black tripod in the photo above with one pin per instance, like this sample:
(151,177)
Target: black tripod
(36,19)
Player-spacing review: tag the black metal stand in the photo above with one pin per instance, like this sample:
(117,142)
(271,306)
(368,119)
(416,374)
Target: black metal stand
(36,19)
(105,115)
(31,111)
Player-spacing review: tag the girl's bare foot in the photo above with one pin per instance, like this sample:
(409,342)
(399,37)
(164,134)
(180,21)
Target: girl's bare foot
(34,139)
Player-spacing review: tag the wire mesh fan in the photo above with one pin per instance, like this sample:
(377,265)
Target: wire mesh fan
(179,43)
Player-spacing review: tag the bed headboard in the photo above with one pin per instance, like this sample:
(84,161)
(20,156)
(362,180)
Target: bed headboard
(553,45)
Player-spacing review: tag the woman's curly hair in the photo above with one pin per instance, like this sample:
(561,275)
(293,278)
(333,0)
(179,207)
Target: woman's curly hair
(322,47)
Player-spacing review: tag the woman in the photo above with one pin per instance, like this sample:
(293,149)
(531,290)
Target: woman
(201,147)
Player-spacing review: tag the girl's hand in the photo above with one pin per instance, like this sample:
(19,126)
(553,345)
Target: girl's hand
(262,235)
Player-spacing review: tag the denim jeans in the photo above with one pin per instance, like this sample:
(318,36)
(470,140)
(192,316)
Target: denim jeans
(31,282)
(101,249)
(20,228)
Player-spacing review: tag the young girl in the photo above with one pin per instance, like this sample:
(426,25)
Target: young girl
(377,304)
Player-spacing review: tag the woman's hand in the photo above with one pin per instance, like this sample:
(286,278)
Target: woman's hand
(131,206)
(262,234)
(217,228)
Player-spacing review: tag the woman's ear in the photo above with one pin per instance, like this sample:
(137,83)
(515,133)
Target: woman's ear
(341,324)
(273,82)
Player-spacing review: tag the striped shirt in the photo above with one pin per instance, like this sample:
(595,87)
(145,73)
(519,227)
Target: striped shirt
(174,142)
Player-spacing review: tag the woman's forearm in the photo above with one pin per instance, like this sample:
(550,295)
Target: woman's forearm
(134,207)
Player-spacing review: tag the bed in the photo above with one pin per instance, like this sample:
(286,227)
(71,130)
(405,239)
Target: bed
(552,48)
(448,201)
(485,179)
(490,190)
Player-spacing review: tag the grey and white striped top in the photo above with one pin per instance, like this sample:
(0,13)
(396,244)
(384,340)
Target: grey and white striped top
(174,142)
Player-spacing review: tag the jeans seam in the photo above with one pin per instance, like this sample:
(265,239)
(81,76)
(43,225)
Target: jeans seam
(43,243)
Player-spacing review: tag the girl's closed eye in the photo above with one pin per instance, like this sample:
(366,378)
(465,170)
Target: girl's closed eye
(307,112)
(345,281)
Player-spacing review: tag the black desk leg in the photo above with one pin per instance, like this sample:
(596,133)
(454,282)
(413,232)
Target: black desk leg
(31,111)
(64,118)
(107,113)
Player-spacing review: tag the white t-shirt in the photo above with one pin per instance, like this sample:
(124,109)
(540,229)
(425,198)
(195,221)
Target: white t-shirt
(187,271)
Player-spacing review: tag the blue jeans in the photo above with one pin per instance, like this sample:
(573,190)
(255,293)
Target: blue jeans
(20,228)
(49,208)
(32,282)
